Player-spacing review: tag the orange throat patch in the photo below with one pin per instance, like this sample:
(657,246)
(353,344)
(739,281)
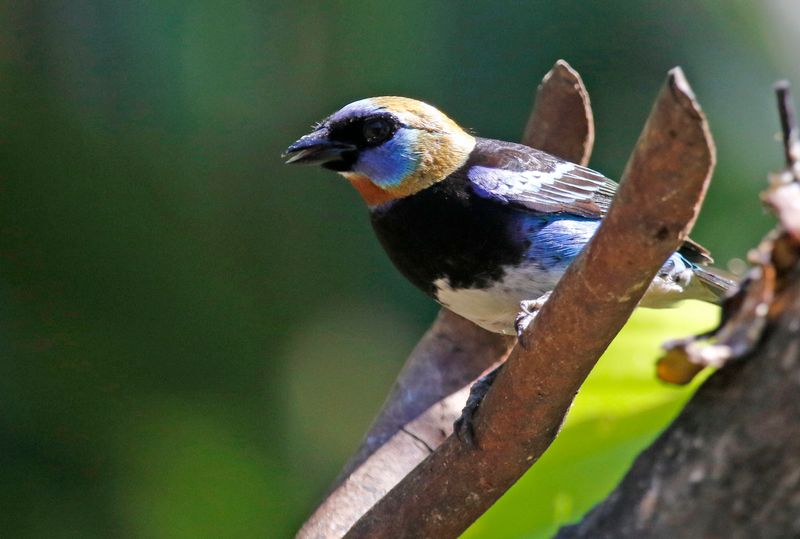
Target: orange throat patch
(371,193)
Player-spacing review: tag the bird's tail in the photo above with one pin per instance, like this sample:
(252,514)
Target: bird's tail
(680,279)
(715,282)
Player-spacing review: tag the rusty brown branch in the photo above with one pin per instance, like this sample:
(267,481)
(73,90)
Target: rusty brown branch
(453,352)
(418,415)
(728,465)
(562,122)
(657,203)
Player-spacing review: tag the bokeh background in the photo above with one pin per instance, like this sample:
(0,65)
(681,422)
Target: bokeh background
(193,337)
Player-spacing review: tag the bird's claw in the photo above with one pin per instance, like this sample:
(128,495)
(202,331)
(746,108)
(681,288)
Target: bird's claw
(528,310)
(521,322)
(464,426)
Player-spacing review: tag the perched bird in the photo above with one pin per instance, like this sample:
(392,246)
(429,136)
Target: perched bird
(485,227)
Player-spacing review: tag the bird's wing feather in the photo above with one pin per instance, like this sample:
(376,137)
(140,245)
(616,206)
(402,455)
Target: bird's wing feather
(525,177)
(522,176)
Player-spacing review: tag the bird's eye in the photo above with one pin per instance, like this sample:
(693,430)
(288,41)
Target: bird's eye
(376,130)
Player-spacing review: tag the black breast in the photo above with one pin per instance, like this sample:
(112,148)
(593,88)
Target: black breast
(448,231)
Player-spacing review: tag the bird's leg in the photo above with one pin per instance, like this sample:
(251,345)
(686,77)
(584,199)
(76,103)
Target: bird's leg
(463,426)
(528,311)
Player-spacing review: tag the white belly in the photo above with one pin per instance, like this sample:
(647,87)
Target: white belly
(495,307)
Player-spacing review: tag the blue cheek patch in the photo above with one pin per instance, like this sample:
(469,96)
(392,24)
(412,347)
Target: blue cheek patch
(392,162)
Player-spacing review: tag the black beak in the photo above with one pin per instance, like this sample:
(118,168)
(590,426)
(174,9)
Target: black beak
(316,149)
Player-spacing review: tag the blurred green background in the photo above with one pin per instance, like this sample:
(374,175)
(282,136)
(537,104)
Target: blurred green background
(193,337)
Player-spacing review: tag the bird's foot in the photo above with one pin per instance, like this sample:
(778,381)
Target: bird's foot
(463,426)
(528,310)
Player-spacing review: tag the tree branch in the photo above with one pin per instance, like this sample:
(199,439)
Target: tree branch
(657,203)
(432,387)
(729,465)
(562,122)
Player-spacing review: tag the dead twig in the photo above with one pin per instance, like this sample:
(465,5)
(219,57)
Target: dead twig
(788,118)
(728,465)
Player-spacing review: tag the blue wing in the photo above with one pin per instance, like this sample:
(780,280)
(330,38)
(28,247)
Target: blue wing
(535,180)
(522,176)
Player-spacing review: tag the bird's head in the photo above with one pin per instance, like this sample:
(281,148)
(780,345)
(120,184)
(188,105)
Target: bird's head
(387,147)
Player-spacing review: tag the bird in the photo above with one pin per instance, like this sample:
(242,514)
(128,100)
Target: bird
(484,227)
